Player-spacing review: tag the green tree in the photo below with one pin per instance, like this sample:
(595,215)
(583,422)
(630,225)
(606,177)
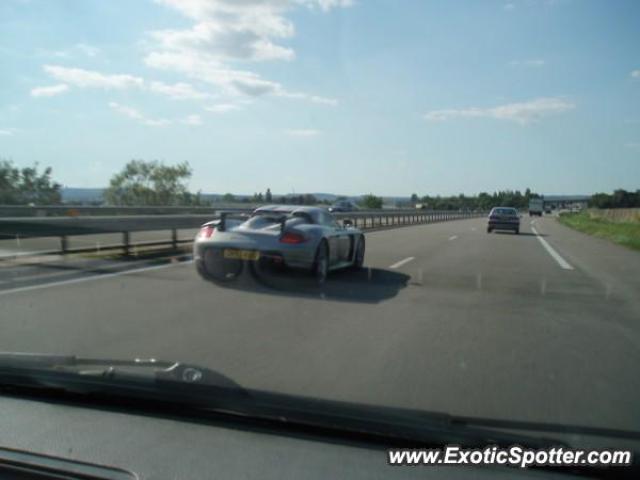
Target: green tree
(149,183)
(309,199)
(27,185)
(228,198)
(370,201)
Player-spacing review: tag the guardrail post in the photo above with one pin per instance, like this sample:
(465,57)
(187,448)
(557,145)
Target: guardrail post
(64,244)
(174,238)
(125,242)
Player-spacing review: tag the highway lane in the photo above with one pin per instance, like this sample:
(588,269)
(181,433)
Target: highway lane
(474,323)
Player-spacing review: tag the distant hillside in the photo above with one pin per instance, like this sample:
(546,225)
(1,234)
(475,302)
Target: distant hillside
(96,196)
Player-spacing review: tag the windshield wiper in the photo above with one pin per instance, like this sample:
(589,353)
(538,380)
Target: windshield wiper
(142,378)
(204,391)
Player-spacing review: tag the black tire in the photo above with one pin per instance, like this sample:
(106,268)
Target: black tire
(358,260)
(215,268)
(517,230)
(489,230)
(320,268)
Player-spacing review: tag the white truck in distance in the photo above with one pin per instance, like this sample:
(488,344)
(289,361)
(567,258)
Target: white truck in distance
(536,206)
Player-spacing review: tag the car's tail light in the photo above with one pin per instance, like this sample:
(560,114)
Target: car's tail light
(292,238)
(206,231)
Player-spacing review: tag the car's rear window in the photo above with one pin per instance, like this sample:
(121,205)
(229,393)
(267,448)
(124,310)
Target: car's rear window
(504,211)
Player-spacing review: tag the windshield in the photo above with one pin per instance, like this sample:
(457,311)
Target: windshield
(137,139)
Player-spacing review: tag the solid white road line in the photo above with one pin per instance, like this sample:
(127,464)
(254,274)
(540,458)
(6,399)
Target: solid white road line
(402,262)
(555,255)
(453,237)
(91,278)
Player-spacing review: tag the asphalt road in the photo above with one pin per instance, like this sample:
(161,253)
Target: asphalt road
(446,317)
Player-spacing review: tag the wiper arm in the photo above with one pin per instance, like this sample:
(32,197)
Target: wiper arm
(138,376)
(199,387)
(38,360)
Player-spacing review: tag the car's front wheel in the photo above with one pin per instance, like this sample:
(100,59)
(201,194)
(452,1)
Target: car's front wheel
(321,263)
(489,229)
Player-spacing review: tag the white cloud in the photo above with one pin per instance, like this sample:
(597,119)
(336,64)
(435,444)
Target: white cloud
(7,132)
(635,74)
(302,132)
(329,4)
(229,31)
(79,77)
(228,41)
(137,115)
(88,50)
(222,108)
(193,120)
(633,145)
(49,91)
(207,69)
(528,63)
(85,49)
(509,6)
(178,91)
(305,96)
(522,112)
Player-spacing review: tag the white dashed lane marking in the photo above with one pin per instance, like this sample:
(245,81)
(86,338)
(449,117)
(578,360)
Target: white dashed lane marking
(402,262)
(555,255)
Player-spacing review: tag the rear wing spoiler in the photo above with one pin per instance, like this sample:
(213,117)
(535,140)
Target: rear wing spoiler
(282,218)
(221,223)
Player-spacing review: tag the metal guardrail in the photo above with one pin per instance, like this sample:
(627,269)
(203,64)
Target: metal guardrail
(84,211)
(65,227)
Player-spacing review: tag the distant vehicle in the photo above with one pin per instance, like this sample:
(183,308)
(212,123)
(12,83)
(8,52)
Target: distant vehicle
(504,218)
(421,206)
(536,205)
(547,210)
(343,206)
(306,238)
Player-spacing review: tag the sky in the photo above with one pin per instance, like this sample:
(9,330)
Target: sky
(342,96)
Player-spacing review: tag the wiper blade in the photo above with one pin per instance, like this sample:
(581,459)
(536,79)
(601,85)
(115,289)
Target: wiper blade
(38,360)
(140,377)
(210,391)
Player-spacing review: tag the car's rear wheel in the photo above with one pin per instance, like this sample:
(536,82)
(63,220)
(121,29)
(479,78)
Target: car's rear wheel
(321,263)
(358,260)
(489,229)
(517,231)
(216,268)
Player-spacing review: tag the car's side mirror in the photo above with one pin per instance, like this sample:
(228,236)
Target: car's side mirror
(347,223)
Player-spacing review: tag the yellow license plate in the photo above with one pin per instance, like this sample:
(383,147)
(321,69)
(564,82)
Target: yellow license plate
(241,254)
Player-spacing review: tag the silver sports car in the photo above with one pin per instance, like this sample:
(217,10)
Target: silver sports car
(292,236)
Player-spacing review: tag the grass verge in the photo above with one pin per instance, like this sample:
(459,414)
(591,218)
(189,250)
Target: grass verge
(623,233)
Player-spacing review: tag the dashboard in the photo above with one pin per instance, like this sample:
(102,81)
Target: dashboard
(64,440)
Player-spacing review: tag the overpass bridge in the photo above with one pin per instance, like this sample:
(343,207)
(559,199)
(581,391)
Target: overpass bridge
(565,201)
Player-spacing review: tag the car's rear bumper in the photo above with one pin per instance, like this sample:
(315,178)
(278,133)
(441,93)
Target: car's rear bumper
(295,256)
(504,225)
